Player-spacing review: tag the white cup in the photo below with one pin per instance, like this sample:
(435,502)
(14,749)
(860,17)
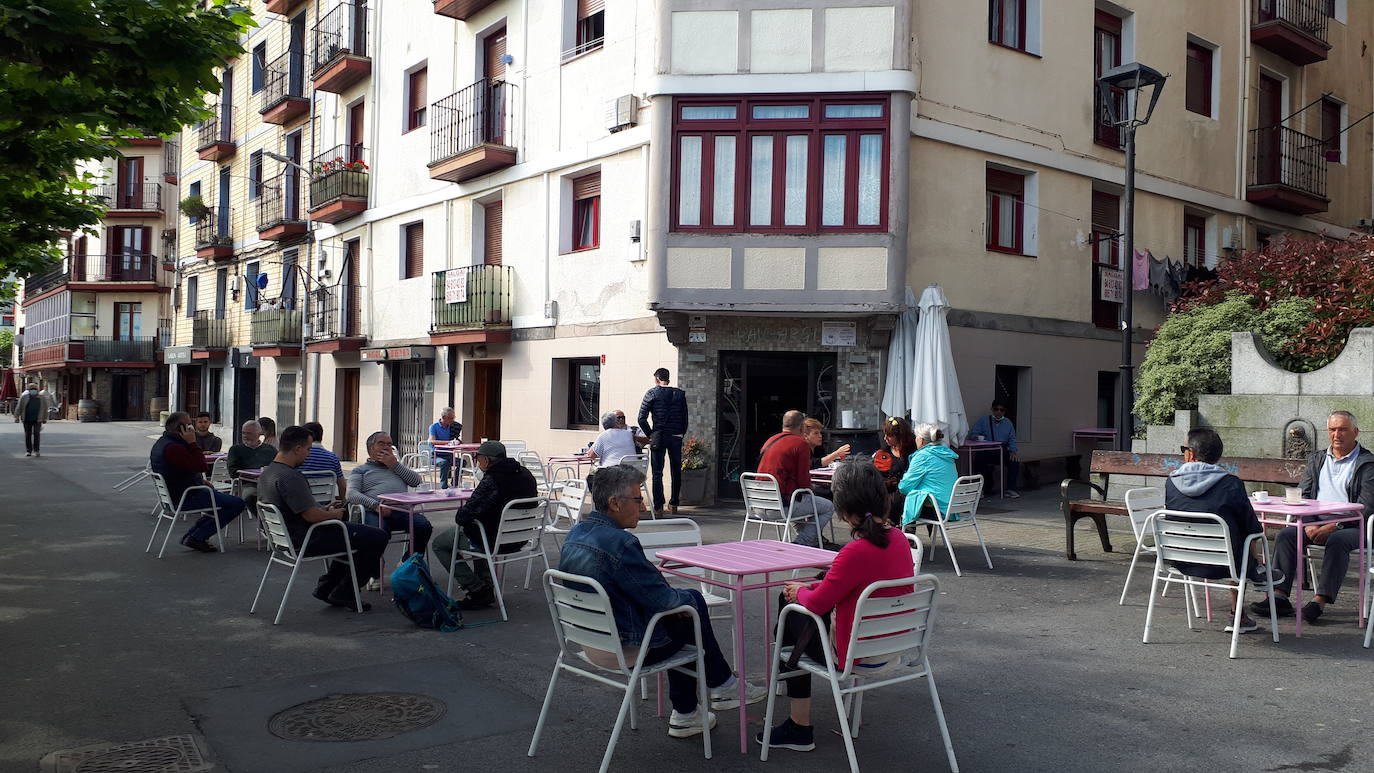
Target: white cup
(424,487)
(978,438)
(1261,496)
(1292,494)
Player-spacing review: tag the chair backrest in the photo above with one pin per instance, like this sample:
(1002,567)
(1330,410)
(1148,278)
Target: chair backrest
(275,526)
(219,471)
(888,625)
(666,533)
(762,497)
(323,484)
(530,460)
(514,447)
(1194,538)
(964,496)
(164,494)
(572,498)
(917,551)
(1141,503)
(468,465)
(582,615)
(356,513)
(522,520)
(638,461)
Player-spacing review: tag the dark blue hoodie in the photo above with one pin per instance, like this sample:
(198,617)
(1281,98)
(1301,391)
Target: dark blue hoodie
(1206,488)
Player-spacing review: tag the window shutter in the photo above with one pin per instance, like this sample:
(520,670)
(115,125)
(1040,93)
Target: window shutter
(491,229)
(586,8)
(1006,182)
(1106,211)
(587,186)
(415,250)
(1198,83)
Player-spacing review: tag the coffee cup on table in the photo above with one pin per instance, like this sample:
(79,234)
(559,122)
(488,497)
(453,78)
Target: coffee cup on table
(1261,496)
(1292,495)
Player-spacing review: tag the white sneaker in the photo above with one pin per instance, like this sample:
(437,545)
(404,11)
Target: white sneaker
(726,697)
(373,585)
(688,725)
(1013,495)
(1246,626)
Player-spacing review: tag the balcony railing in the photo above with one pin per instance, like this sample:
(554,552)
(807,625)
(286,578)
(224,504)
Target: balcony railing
(216,129)
(336,313)
(275,327)
(139,197)
(1294,29)
(40,283)
(1287,170)
(283,91)
(213,232)
(171,161)
(340,32)
(208,332)
(279,201)
(481,114)
(339,173)
(107,349)
(120,267)
(472,297)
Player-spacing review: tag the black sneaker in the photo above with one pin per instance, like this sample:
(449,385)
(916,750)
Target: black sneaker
(1263,577)
(1310,612)
(1282,607)
(343,597)
(197,544)
(790,735)
(477,601)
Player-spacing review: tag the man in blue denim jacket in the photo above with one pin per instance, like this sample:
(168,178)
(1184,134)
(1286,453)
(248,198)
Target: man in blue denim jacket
(600,547)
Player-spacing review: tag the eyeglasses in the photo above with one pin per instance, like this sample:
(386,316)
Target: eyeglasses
(632,499)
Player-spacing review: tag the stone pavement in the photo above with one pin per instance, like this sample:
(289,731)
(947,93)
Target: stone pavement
(1038,667)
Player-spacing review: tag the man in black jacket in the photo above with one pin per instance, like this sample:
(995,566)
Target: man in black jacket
(1200,486)
(503,480)
(669,408)
(1342,473)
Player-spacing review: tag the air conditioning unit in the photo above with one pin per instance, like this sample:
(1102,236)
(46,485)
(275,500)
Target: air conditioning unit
(621,112)
(1230,238)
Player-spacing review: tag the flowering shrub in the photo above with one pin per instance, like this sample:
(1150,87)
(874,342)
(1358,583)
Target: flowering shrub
(339,164)
(693,453)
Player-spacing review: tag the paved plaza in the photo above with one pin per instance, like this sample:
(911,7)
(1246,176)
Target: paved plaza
(1038,667)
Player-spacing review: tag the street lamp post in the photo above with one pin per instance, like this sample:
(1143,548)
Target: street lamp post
(1129,82)
(305,285)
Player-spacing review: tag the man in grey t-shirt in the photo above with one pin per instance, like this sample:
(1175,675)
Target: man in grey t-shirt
(284,487)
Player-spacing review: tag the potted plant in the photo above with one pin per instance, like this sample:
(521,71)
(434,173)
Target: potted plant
(194,207)
(695,471)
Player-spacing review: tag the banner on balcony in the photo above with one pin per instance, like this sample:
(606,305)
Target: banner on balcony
(456,287)
(1113,288)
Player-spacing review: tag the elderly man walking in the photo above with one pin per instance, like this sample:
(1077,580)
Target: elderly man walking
(383,473)
(32,410)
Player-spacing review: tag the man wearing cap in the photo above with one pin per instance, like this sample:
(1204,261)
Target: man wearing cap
(503,480)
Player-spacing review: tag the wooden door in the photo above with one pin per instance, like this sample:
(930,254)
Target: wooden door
(358,44)
(356,123)
(347,388)
(494,49)
(493,95)
(293,177)
(1106,222)
(491,234)
(1106,55)
(129,194)
(352,292)
(486,401)
(1268,134)
(190,389)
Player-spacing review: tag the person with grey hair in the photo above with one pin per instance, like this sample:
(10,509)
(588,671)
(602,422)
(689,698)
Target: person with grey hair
(616,441)
(930,475)
(251,453)
(1344,472)
(32,410)
(601,547)
(181,463)
(383,473)
(445,430)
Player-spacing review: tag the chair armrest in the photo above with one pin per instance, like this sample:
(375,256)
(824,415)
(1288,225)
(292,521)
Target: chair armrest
(796,494)
(822,631)
(305,541)
(572,474)
(1064,488)
(486,544)
(214,506)
(653,623)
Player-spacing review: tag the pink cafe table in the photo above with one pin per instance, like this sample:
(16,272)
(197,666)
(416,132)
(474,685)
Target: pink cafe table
(412,502)
(456,448)
(567,459)
(1277,512)
(975,447)
(739,560)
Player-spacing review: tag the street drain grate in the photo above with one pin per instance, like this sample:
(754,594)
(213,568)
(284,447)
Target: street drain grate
(357,717)
(173,754)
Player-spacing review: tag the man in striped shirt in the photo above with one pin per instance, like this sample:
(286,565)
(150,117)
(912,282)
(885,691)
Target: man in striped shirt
(322,458)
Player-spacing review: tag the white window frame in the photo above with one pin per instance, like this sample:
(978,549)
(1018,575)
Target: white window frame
(1213,79)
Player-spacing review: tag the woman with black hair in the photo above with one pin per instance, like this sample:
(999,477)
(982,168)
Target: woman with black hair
(892,461)
(877,552)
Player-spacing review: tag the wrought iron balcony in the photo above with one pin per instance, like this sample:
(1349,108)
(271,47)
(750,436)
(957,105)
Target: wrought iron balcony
(171,162)
(340,57)
(1287,170)
(279,208)
(339,187)
(214,238)
(472,132)
(474,300)
(41,283)
(136,199)
(1294,29)
(120,267)
(107,349)
(215,136)
(276,328)
(208,332)
(336,317)
(283,97)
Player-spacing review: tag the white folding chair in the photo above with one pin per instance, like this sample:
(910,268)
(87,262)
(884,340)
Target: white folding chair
(641,462)
(567,510)
(467,470)
(589,646)
(531,461)
(763,506)
(514,447)
(324,485)
(666,533)
(894,630)
(1367,570)
(281,551)
(128,482)
(173,511)
(220,478)
(522,523)
(917,552)
(1202,538)
(1141,503)
(963,502)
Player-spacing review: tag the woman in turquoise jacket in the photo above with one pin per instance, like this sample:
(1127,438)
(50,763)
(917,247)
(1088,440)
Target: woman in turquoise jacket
(931,473)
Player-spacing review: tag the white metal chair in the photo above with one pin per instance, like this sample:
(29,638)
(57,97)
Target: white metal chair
(917,552)
(531,461)
(963,502)
(641,463)
(763,505)
(514,447)
(173,511)
(220,477)
(467,470)
(1141,503)
(666,533)
(585,626)
(522,523)
(281,551)
(1202,538)
(895,630)
(427,461)
(566,511)
(324,485)
(1367,570)
(129,482)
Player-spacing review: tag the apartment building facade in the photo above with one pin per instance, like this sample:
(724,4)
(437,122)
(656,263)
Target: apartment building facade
(93,327)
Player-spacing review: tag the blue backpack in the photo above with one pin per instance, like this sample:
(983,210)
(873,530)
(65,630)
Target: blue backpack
(420,600)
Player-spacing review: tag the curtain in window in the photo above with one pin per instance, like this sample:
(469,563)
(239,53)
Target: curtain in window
(794,181)
(709,113)
(832,180)
(585,233)
(870,179)
(723,201)
(761,181)
(1004,205)
(689,182)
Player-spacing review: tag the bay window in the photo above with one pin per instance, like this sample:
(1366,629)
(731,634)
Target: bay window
(780,164)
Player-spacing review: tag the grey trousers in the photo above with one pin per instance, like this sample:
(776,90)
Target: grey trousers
(1335,561)
(441,549)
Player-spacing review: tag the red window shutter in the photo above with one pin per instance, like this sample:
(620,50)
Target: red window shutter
(586,8)
(1199,79)
(587,186)
(415,250)
(491,233)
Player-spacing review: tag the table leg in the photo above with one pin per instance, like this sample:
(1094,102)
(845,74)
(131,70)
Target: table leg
(1002,468)
(739,661)
(1364,572)
(1299,562)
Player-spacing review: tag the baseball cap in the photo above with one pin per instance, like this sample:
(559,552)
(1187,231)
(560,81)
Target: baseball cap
(492,449)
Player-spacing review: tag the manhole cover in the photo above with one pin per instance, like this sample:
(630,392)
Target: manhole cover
(174,754)
(357,717)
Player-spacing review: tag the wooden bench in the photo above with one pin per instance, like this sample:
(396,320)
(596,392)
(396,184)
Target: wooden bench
(1107,463)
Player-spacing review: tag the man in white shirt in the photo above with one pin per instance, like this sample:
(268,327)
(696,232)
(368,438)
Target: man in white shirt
(616,441)
(1342,473)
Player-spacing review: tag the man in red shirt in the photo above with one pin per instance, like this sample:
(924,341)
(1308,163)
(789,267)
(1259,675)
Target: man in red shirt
(787,457)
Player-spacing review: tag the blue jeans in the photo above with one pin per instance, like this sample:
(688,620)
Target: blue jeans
(445,462)
(682,689)
(396,521)
(230,507)
(672,445)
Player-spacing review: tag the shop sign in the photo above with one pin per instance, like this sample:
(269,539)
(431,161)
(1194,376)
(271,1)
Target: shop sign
(177,355)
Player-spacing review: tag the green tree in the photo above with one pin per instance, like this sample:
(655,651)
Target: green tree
(6,347)
(80,75)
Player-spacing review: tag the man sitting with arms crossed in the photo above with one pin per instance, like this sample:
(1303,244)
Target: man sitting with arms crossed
(503,481)
(1342,473)
(1200,486)
(599,547)
(283,486)
(787,457)
(181,463)
(383,474)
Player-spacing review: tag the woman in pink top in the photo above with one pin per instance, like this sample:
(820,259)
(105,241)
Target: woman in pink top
(877,552)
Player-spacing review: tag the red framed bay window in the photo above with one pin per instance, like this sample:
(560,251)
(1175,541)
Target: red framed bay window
(781,164)
(1006,213)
